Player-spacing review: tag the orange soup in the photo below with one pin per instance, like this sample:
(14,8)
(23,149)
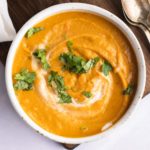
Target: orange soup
(74,74)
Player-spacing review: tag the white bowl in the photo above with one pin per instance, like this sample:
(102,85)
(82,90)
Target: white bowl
(84,8)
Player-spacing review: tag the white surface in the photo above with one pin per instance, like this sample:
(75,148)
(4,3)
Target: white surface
(7,31)
(134,134)
(15,134)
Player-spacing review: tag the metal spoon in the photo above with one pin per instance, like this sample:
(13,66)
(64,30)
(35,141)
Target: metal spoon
(138,11)
(138,24)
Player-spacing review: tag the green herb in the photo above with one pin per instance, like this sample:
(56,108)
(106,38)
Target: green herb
(57,83)
(41,55)
(87,94)
(77,64)
(32,31)
(59,80)
(106,68)
(64,97)
(82,128)
(95,60)
(24,80)
(128,90)
(69,45)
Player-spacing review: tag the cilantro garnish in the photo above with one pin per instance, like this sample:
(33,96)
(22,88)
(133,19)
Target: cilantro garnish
(128,90)
(87,94)
(69,45)
(106,68)
(24,80)
(33,31)
(57,83)
(77,64)
(41,55)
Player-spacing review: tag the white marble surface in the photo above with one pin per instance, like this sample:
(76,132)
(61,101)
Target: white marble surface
(15,134)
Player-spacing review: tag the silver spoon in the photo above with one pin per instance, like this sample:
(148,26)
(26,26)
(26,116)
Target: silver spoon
(138,11)
(142,26)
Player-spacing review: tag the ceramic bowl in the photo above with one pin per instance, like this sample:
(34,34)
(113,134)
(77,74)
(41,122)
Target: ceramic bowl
(84,8)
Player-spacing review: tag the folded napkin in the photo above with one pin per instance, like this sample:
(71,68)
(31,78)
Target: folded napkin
(7,30)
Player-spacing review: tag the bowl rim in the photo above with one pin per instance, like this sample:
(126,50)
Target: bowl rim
(66,7)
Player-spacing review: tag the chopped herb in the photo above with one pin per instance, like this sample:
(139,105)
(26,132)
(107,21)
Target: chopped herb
(41,55)
(32,31)
(128,90)
(69,45)
(22,85)
(59,80)
(87,94)
(82,128)
(95,60)
(64,97)
(57,83)
(106,68)
(77,64)
(24,80)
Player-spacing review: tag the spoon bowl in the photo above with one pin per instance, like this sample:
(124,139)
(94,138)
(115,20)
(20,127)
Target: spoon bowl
(133,17)
(138,11)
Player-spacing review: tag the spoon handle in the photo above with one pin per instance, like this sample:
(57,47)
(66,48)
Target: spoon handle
(147,33)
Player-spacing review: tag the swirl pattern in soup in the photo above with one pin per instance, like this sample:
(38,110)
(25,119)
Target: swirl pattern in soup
(84,95)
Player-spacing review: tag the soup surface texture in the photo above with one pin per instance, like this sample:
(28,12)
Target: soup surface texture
(81,74)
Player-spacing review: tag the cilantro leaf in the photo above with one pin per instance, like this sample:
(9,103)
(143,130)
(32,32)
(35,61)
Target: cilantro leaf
(87,94)
(69,45)
(25,75)
(32,31)
(22,85)
(82,128)
(64,97)
(41,55)
(24,80)
(106,68)
(128,90)
(90,63)
(57,83)
(96,59)
(77,64)
(59,80)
